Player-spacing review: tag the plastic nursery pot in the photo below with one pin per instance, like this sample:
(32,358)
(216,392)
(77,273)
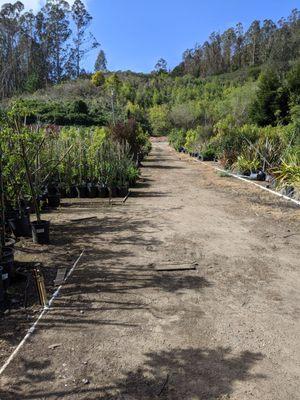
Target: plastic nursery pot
(261,176)
(208,158)
(52,189)
(103,192)
(72,192)
(41,232)
(93,191)
(82,191)
(122,191)
(3,287)
(7,263)
(62,193)
(53,200)
(113,191)
(2,292)
(132,183)
(20,226)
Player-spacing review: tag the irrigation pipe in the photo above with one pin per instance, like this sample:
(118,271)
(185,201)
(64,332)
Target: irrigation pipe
(44,311)
(253,183)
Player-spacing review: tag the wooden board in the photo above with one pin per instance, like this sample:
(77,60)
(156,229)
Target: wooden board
(175,266)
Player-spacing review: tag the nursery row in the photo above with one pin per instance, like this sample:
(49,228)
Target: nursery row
(269,153)
(39,165)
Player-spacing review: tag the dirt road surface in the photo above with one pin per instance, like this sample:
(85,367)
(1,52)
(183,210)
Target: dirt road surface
(123,330)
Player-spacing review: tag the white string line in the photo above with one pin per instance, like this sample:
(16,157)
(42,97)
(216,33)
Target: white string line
(33,327)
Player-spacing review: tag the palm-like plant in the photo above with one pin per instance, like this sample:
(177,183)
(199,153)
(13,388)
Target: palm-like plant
(288,173)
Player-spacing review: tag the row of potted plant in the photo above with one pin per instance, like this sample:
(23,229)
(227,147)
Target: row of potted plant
(39,165)
(285,176)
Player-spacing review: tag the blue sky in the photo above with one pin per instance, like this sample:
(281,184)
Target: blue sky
(136,33)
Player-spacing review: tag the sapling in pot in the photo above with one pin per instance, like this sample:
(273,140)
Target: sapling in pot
(26,140)
(6,252)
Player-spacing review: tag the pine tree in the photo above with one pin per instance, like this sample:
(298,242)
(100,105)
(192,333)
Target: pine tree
(101,62)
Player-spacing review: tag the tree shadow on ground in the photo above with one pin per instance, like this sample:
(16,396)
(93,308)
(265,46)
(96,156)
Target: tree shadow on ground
(68,239)
(161,166)
(81,307)
(188,374)
(178,374)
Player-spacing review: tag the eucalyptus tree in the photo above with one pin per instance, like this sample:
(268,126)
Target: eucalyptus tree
(253,41)
(228,40)
(10,59)
(161,66)
(82,42)
(57,33)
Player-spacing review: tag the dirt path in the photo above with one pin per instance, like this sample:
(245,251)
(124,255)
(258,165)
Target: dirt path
(230,329)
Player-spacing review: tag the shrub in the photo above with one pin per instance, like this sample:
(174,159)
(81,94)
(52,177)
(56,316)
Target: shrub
(159,120)
(177,138)
(98,79)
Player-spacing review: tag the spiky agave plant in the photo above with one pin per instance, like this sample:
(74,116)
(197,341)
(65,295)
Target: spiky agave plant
(288,173)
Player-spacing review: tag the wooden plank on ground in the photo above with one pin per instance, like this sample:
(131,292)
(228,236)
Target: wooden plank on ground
(175,266)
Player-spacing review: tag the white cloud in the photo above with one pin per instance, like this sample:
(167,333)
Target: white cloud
(32,4)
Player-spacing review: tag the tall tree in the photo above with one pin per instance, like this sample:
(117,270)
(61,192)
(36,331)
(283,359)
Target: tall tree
(161,66)
(228,43)
(266,105)
(57,34)
(83,42)
(101,62)
(267,39)
(10,51)
(253,38)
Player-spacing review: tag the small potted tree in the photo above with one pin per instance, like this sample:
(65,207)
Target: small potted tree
(26,139)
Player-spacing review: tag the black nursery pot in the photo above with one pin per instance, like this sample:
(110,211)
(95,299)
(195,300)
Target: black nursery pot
(2,291)
(103,192)
(62,192)
(113,191)
(4,283)
(72,192)
(20,226)
(7,263)
(93,192)
(122,191)
(53,200)
(41,232)
(82,192)
(261,176)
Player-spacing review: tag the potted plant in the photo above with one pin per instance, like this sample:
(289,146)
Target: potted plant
(27,139)
(287,175)
(6,249)
(246,166)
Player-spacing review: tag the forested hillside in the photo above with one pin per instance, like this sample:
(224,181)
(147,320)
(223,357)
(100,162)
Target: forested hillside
(237,47)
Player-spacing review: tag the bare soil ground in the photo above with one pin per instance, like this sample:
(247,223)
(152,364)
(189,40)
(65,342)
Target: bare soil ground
(229,329)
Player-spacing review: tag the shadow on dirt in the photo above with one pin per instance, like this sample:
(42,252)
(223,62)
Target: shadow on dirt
(206,374)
